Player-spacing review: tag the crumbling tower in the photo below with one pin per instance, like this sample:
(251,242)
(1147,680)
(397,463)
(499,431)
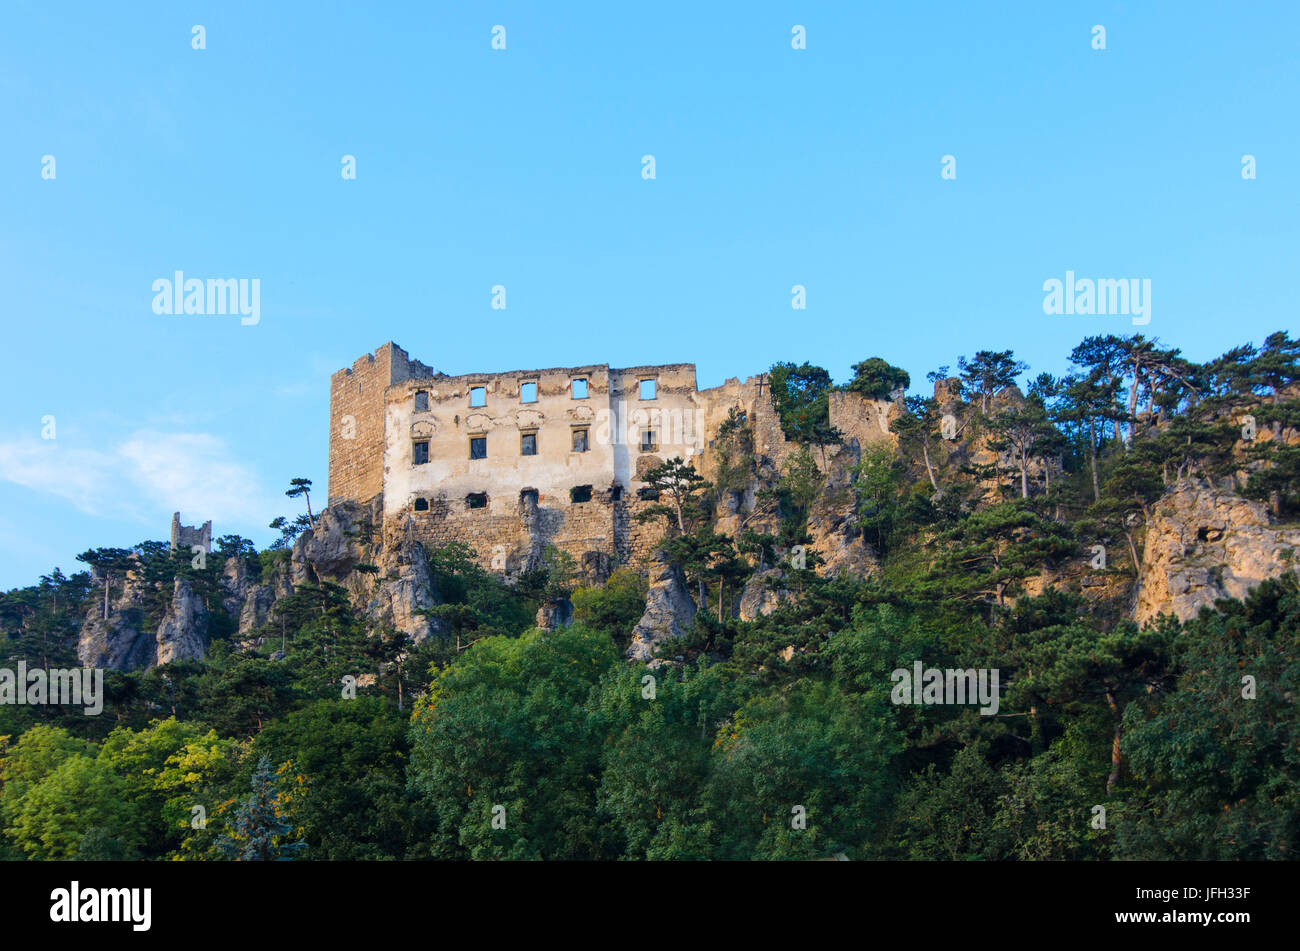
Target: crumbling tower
(356,458)
(187,536)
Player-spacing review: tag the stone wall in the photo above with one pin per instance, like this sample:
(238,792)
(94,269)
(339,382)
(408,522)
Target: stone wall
(356,447)
(862,421)
(509,505)
(186,537)
(600,535)
(403,433)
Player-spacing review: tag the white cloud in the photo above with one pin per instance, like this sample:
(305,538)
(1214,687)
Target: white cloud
(193,472)
(146,477)
(72,474)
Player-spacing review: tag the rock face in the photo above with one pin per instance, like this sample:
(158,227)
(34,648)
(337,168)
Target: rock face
(404,585)
(558,612)
(181,634)
(117,641)
(342,541)
(836,537)
(669,612)
(246,599)
(121,641)
(865,422)
(1204,543)
(759,598)
(330,550)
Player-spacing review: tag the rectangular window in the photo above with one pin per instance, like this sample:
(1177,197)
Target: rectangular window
(421,402)
(420,453)
(528,498)
(649,440)
(528,444)
(580,493)
(476,500)
(579,389)
(647,389)
(580,440)
(478,396)
(478,447)
(422,505)
(528,392)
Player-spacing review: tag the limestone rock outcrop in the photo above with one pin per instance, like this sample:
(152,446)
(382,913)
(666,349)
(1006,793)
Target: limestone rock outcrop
(332,548)
(117,641)
(762,594)
(340,549)
(124,641)
(837,537)
(669,612)
(182,631)
(554,613)
(246,598)
(403,586)
(1205,543)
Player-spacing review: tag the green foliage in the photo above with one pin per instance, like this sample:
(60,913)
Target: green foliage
(491,740)
(802,398)
(656,755)
(477,604)
(877,483)
(801,482)
(1273,462)
(139,758)
(989,553)
(812,749)
(614,607)
(240,693)
(680,490)
(349,759)
(561,570)
(989,372)
(1216,774)
(876,379)
(505,726)
(733,452)
(258,831)
(80,796)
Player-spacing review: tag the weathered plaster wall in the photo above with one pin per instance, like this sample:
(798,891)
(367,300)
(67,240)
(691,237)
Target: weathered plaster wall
(379,393)
(511,531)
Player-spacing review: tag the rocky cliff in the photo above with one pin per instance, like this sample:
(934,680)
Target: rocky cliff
(387,577)
(669,612)
(1204,543)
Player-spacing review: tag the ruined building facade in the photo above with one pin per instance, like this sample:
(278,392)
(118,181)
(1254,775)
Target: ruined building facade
(512,462)
(189,537)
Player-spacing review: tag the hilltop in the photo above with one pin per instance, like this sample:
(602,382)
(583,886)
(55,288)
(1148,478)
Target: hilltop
(1117,544)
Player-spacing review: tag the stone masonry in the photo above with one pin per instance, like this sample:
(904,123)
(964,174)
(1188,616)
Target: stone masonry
(186,537)
(509,463)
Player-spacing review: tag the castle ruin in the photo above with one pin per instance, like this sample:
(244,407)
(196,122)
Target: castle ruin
(187,537)
(512,462)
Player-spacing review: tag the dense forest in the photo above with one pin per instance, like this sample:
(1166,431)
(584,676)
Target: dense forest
(330,737)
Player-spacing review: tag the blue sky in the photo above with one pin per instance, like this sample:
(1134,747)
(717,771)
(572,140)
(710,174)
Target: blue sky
(522,167)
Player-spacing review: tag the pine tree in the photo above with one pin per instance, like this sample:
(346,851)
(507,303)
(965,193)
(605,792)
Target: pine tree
(989,372)
(258,832)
